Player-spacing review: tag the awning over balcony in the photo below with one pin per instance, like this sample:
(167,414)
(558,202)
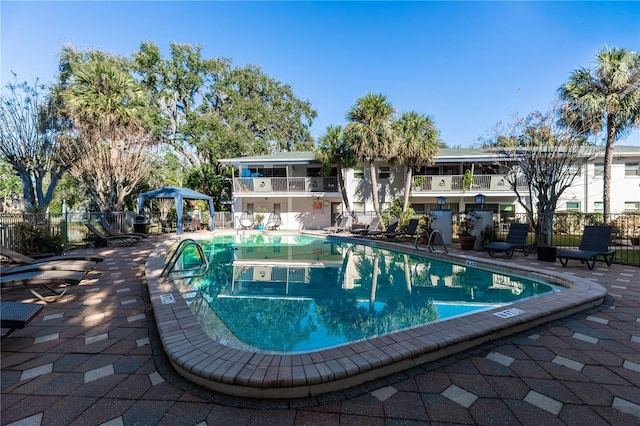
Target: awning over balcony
(281,158)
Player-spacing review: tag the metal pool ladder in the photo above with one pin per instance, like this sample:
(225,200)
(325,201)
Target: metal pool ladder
(197,271)
(431,240)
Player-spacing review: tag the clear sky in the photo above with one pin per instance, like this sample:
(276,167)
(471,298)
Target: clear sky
(470,65)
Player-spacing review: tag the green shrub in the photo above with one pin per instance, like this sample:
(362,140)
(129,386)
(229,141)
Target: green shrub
(39,239)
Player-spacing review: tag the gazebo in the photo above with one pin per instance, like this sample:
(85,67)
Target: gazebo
(179,195)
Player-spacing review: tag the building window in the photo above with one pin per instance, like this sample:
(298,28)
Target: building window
(632,169)
(598,206)
(422,209)
(383,172)
(314,172)
(598,169)
(631,206)
(572,205)
(358,172)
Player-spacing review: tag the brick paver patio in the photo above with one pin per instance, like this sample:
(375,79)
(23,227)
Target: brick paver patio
(94,358)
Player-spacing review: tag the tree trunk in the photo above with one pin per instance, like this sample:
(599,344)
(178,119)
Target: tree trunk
(407,273)
(343,189)
(374,189)
(608,161)
(543,229)
(374,283)
(27,186)
(407,189)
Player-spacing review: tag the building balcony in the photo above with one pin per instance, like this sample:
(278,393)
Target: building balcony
(425,184)
(422,185)
(259,185)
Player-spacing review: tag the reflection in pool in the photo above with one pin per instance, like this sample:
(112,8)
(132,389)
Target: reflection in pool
(299,293)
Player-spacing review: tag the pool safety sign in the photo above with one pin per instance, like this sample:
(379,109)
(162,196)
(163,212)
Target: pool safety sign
(513,312)
(167,298)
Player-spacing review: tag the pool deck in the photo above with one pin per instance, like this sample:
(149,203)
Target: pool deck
(96,357)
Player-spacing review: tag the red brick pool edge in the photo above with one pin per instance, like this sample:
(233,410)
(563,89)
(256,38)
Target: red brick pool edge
(200,359)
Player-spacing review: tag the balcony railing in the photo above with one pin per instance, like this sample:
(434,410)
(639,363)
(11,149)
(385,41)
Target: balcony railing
(283,184)
(453,183)
(421,184)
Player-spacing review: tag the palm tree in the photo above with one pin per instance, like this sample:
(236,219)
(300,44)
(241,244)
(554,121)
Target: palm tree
(330,150)
(606,96)
(110,115)
(418,145)
(370,135)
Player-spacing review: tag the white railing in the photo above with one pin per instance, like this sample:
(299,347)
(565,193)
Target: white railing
(453,183)
(283,184)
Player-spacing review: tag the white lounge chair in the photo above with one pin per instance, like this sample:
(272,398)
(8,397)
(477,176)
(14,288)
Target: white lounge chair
(343,225)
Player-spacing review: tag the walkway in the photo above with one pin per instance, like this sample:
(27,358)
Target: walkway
(93,358)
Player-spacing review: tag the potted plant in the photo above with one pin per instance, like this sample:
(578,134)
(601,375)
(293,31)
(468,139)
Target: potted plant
(467,180)
(465,236)
(467,240)
(546,253)
(259,217)
(488,235)
(419,183)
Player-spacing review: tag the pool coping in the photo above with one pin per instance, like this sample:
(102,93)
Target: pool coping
(195,356)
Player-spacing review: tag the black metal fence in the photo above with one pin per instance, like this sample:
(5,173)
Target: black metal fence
(567,231)
(30,232)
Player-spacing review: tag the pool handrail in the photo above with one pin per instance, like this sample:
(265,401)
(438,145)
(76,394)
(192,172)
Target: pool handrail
(431,240)
(168,268)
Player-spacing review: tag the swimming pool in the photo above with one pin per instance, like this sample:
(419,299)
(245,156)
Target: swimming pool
(223,367)
(297,293)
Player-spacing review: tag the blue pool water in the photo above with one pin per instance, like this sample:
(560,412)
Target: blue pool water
(300,293)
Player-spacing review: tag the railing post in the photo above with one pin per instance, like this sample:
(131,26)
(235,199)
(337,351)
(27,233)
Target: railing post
(64,232)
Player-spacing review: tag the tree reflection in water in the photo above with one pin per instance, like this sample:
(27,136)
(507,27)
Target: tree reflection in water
(343,293)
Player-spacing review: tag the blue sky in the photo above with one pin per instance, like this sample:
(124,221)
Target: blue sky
(470,65)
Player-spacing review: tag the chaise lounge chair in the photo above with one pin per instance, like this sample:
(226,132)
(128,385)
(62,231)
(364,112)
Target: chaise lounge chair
(392,234)
(343,225)
(16,257)
(102,240)
(373,226)
(42,278)
(595,242)
(516,240)
(410,231)
(391,230)
(54,265)
(108,230)
(15,315)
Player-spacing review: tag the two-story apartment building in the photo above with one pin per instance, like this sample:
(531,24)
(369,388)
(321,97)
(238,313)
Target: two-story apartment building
(292,185)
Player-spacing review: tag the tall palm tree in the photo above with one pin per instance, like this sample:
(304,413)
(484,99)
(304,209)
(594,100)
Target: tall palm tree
(370,135)
(330,150)
(418,145)
(606,96)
